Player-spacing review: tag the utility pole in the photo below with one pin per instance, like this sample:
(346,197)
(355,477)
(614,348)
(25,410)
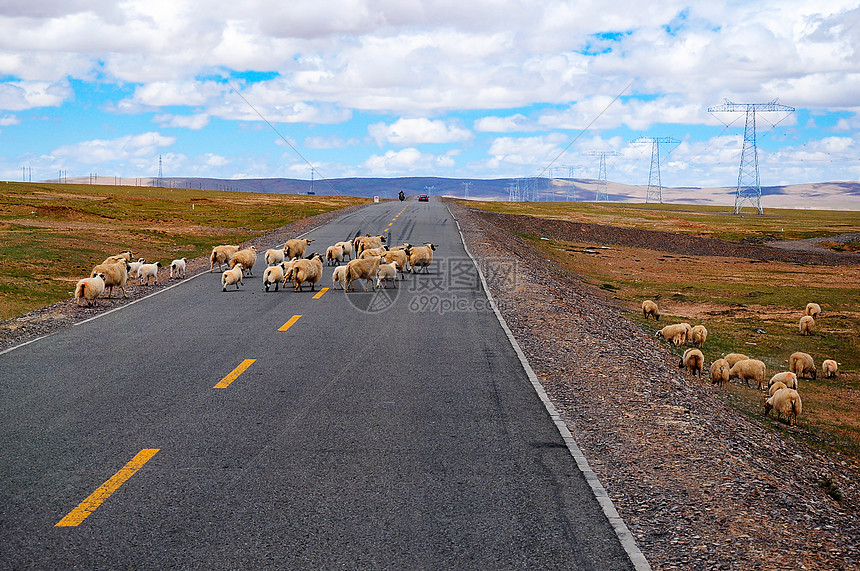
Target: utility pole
(655,182)
(466,186)
(601,194)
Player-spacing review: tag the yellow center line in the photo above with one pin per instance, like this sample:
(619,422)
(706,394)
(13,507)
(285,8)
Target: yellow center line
(234,374)
(289,323)
(321,293)
(89,505)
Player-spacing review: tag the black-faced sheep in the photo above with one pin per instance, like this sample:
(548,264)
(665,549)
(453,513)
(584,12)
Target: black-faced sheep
(134,266)
(698,335)
(421,256)
(806,324)
(246,257)
(296,247)
(813,310)
(274,275)
(784,402)
(232,276)
(305,270)
(693,361)
(177,267)
(749,370)
(829,367)
(146,271)
(802,365)
(88,289)
(116,274)
(221,255)
(720,372)
(650,309)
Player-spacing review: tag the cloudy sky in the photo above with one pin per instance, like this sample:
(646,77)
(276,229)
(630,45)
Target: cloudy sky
(452,88)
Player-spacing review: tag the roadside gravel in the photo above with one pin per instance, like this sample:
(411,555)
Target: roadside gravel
(700,485)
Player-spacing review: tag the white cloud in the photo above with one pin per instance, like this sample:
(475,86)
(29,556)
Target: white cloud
(330,142)
(405,132)
(193,122)
(22,95)
(402,162)
(510,124)
(119,149)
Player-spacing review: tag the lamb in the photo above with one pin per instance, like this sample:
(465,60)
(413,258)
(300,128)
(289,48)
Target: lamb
(806,324)
(274,275)
(775,387)
(347,247)
(802,365)
(177,266)
(296,248)
(733,358)
(305,270)
(116,274)
(421,256)
(147,271)
(121,257)
(399,257)
(829,367)
(676,333)
(650,309)
(692,361)
(334,255)
(749,370)
(361,269)
(387,272)
(89,289)
(813,310)
(787,402)
(246,257)
(134,266)
(720,372)
(275,256)
(232,276)
(338,276)
(698,335)
(221,255)
(787,378)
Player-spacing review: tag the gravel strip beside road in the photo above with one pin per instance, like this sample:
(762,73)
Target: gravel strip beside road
(700,485)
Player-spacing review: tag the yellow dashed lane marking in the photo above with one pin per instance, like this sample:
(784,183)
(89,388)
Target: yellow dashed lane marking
(234,374)
(89,505)
(290,323)
(321,293)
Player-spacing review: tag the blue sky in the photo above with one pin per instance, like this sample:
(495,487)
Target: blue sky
(484,89)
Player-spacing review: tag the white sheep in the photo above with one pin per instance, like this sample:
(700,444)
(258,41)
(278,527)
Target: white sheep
(361,269)
(305,270)
(421,256)
(221,255)
(246,257)
(116,274)
(88,289)
(787,378)
(275,256)
(698,335)
(775,387)
(399,257)
(134,266)
(296,247)
(338,276)
(693,360)
(147,271)
(232,276)
(720,372)
(806,324)
(347,247)
(334,255)
(802,365)
(749,370)
(367,241)
(675,333)
(813,309)
(650,309)
(274,275)
(121,257)
(387,272)
(784,402)
(177,267)
(733,358)
(829,368)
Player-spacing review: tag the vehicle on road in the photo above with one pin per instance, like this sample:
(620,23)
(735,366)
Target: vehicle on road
(423,198)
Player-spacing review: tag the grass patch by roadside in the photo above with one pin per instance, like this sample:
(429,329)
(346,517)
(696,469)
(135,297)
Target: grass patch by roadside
(51,235)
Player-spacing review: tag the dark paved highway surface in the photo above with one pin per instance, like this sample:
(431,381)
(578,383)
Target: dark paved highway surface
(381,430)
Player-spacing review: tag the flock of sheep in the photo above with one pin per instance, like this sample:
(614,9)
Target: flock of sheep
(116,271)
(367,258)
(783,396)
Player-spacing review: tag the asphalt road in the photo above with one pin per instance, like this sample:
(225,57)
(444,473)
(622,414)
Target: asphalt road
(394,429)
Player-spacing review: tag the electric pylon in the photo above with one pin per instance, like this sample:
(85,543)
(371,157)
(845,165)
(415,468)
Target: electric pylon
(749,184)
(655,181)
(601,194)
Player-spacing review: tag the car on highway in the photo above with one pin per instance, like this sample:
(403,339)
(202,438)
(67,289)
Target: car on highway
(423,198)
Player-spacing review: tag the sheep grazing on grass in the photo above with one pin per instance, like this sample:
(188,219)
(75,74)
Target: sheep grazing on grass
(400,258)
(338,276)
(675,333)
(221,255)
(421,256)
(305,270)
(275,256)
(733,358)
(749,370)
(177,267)
(698,335)
(829,367)
(347,247)
(296,247)
(88,289)
(274,275)
(361,269)
(813,310)
(806,324)
(775,387)
(802,365)
(246,257)
(385,273)
(134,266)
(147,271)
(693,361)
(121,257)
(650,309)
(784,402)
(787,378)
(720,372)
(232,276)
(334,255)
(116,274)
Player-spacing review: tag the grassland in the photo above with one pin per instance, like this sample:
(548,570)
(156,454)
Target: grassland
(748,306)
(52,234)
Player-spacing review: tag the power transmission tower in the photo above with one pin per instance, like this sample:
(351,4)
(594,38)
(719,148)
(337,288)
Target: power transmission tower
(430,189)
(655,181)
(466,186)
(601,192)
(749,184)
(571,174)
(513,192)
(160,173)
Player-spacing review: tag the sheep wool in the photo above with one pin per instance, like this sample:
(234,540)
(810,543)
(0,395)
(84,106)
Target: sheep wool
(813,310)
(749,370)
(829,367)
(177,267)
(386,273)
(296,247)
(221,255)
(650,309)
(247,258)
(775,387)
(733,358)
(232,276)
(785,402)
(720,372)
(675,333)
(698,335)
(693,360)
(88,289)
(787,378)
(274,275)
(275,256)
(802,365)
(116,274)
(806,324)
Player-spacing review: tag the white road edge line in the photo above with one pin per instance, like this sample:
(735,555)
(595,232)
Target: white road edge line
(615,520)
(197,275)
